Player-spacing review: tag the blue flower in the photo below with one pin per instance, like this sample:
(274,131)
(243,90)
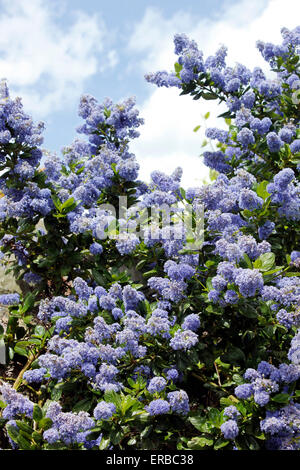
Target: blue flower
(157,384)
(104,410)
(179,402)
(274,142)
(230,429)
(158,407)
(185,340)
(9,299)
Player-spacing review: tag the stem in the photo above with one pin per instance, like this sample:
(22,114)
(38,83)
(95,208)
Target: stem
(198,377)
(20,376)
(204,380)
(6,378)
(217,370)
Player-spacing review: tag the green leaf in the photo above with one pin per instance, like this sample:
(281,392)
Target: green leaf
(11,353)
(56,394)
(281,398)
(220,443)
(116,437)
(231,400)
(23,443)
(178,68)
(197,96)
(56,446)
(24,426)
(131,441)
(206,115)
(248,261)
(234,355)
(261,437)
(150,273)
(113,397)
(196,128)
(37,437)
(199,442)
(273,271)
(257,263)
(39,331)
(227,114)
(252,444)
(56,201)
(21,351)
(13,432)
(98,277)
(214,416)
(209,96)
(294,60)
(82,405)
(198,422)
(131,382)
(67,204)
(146,431)
(262,191)
(210,263)
(237,379)
(27,319)
(45,423)
(248,311)
(37,413)
(209,283)
(104,444)
(129,403)
(265,262)
(182,193)
(28,302)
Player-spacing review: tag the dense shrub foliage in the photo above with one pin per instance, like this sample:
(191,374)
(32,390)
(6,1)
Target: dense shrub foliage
(131,336)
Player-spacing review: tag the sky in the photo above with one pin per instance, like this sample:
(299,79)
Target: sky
(53,51)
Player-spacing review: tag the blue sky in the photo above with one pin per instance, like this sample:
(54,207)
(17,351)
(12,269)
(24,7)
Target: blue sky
(52,51)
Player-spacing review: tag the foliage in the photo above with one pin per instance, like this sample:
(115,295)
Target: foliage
(131,335)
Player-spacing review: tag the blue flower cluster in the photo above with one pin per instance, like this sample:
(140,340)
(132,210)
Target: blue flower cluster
(229,428)
(267,379)
(98,357)
(283,424)
(240,89)
(22,194)
(177,402)
(68,427)
(104,410)
(17,405)
(9,299)
(283,428)
(285,293)
(150,336)
(285,193)
(119,121)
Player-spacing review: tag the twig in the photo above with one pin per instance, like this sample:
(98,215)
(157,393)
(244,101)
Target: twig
(217,370)
(20,376)
(198,377)
(7,378)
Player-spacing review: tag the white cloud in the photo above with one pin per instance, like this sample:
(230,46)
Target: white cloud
(167,139)
(45,60)
(111,60)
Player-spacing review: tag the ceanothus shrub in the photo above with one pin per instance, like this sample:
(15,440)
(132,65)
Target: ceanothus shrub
(130,337)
